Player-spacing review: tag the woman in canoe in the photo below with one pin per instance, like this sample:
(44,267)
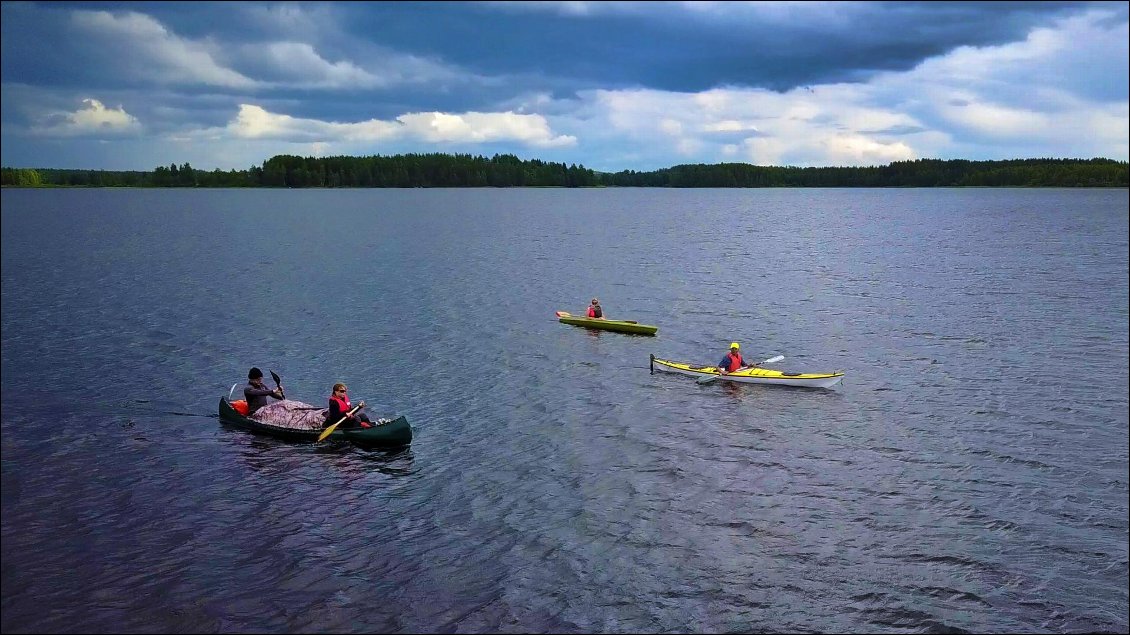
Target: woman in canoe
(339,406)
(595,311)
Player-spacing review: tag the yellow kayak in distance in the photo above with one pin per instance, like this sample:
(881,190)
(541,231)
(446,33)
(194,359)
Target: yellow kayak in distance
(751,375)
(620,326)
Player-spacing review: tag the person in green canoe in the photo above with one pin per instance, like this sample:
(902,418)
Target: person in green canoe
(595,311)
(339,406)
(732,361)
(256,393)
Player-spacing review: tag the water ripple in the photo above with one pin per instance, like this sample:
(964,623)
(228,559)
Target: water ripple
(969,474)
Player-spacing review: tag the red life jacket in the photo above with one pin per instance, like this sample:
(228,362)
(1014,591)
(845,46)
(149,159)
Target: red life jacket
(342,403)
(734,363)
(595,312)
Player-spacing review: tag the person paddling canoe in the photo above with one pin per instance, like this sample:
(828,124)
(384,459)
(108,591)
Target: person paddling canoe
(256,393)
(339,406)
(595,311)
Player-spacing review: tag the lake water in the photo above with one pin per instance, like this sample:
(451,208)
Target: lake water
(969,474)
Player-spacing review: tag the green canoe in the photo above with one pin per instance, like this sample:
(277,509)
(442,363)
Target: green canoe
(620,326)
(395,433)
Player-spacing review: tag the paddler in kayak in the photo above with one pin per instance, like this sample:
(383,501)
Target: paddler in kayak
(256,393)
(595,312)
(339,405)
(732,361)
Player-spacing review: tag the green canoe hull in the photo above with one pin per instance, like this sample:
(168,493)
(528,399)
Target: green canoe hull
(611,325)
(395,433)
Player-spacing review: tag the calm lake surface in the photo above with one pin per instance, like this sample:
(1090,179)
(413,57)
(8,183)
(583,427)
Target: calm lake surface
(969,474)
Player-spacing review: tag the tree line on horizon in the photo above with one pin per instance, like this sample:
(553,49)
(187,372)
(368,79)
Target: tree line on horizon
(507,170)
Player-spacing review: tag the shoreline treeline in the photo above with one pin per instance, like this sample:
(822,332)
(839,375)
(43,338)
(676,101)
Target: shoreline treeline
(507,170)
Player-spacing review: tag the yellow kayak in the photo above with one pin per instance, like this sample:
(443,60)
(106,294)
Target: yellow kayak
(754,375)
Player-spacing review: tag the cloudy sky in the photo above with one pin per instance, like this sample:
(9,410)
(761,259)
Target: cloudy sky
(608,85)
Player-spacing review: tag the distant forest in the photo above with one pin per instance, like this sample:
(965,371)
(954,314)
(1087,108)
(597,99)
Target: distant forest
(506,170)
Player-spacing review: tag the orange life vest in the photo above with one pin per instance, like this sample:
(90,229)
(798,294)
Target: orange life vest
(734,362)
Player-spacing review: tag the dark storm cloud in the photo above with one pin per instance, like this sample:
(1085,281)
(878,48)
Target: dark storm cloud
(661,47)
(589,82)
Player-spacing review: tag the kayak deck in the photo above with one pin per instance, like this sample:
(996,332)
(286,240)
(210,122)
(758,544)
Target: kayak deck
(753,375)
(619,326)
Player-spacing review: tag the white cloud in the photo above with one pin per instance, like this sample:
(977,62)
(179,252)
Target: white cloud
(255,122)
(801,127)
(1050,93)
(854,149)
(983,117)
(93,120)
(482,127)
(688,147)
(1012,101)
(150,51)
(671,127)
(292,64)
(300,65)
(729,125)
(147,50)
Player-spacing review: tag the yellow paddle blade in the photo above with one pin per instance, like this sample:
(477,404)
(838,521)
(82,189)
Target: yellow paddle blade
(329,430)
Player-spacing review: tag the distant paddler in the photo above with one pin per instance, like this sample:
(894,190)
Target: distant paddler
(731,362)
(595,312)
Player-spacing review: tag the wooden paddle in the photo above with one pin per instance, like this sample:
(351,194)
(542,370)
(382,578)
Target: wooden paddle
(327,431)
(566,314)
(709,379)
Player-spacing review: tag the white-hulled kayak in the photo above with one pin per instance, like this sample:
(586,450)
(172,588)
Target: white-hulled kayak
(755,375)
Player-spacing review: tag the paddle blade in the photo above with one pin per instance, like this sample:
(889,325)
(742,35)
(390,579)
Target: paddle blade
(278,382)
(709,379)
(773,359)
(329,430)
(564,314)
